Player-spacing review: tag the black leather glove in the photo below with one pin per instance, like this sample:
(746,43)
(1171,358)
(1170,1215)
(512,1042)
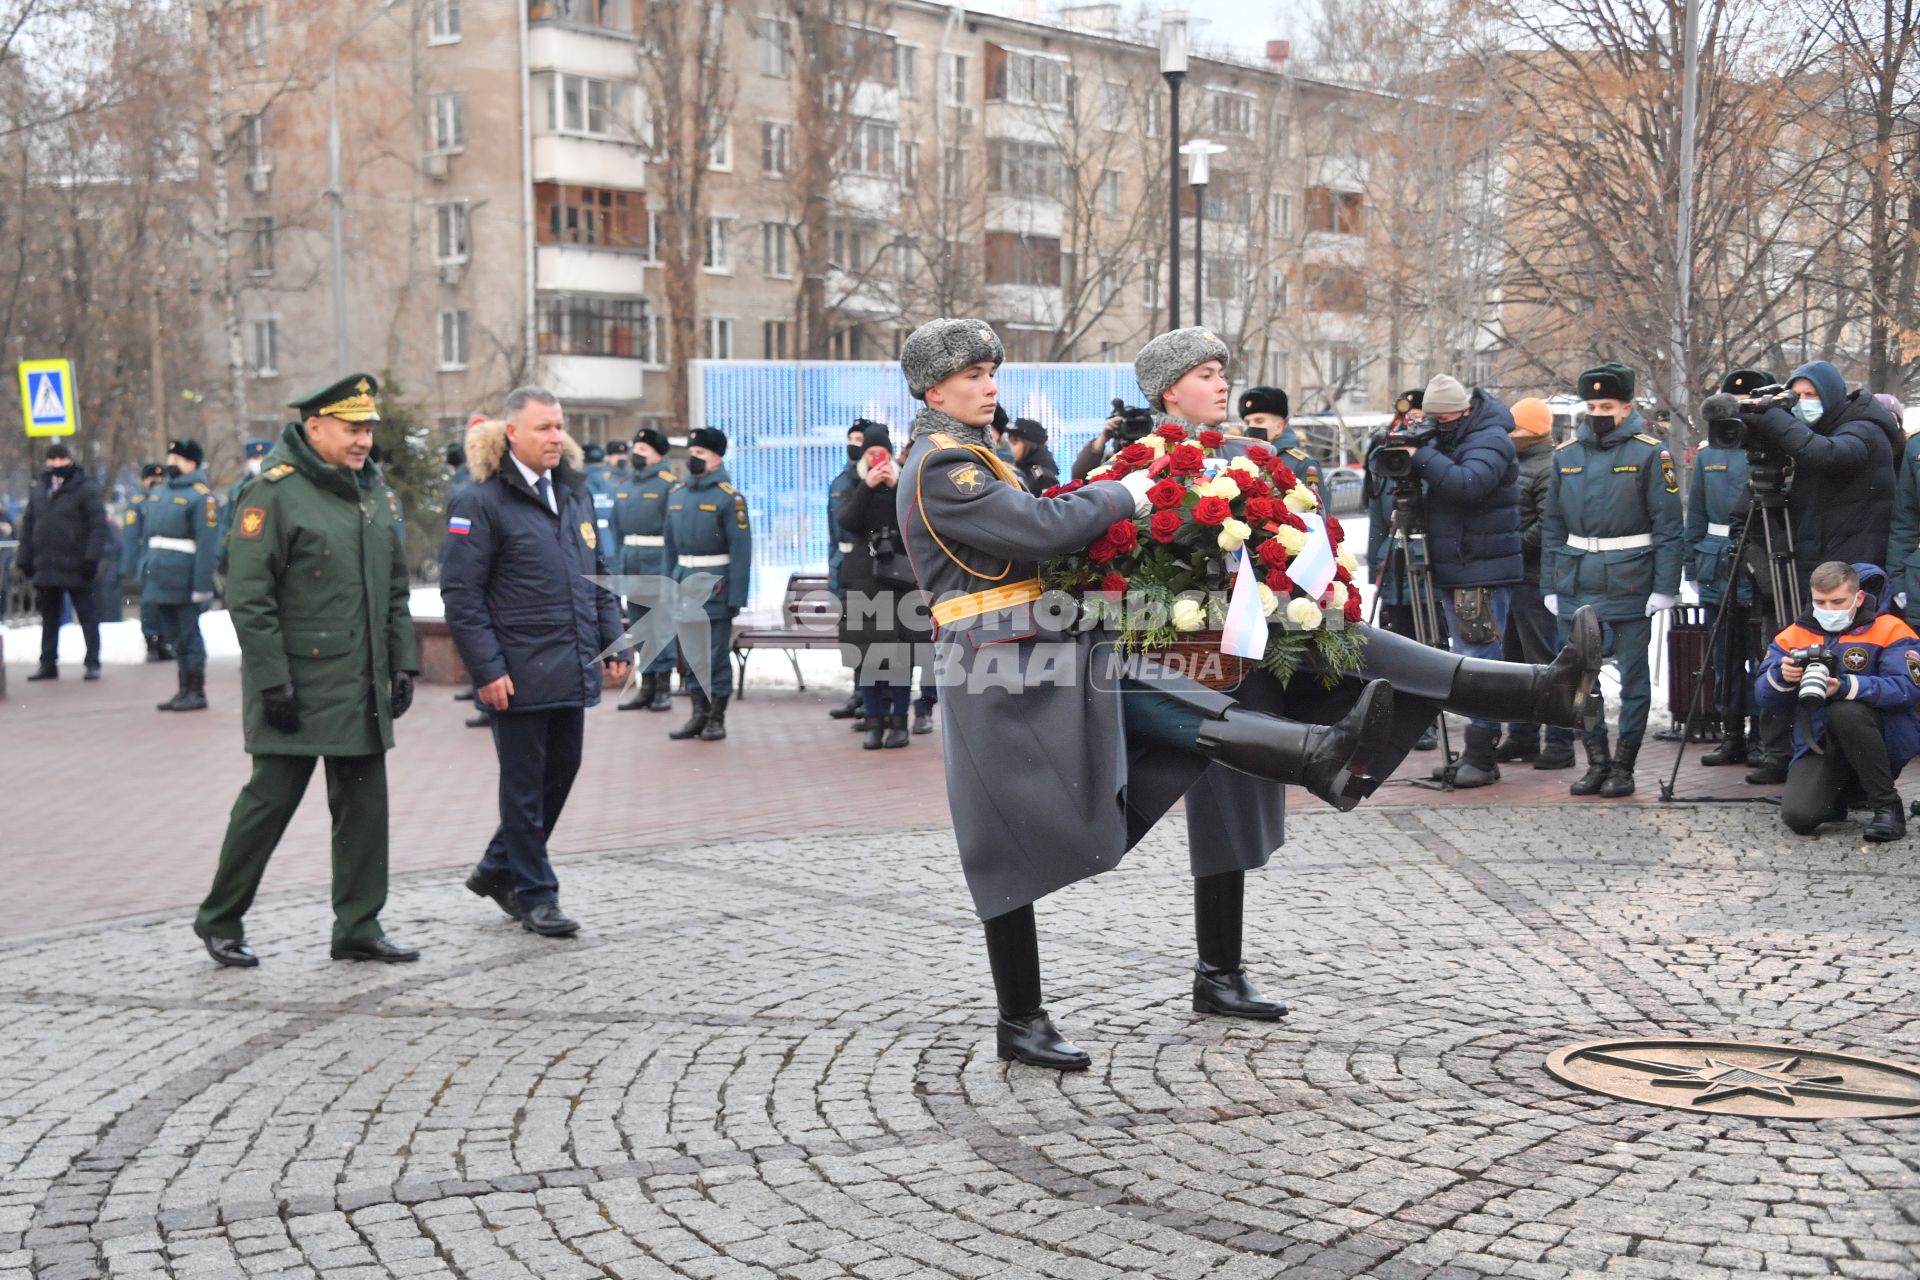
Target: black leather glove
(283,709)
(401,693)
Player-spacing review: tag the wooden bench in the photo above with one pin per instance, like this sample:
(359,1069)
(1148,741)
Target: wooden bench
(809,619)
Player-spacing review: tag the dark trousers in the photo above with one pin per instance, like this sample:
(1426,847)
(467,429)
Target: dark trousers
(86,612)
(1529,637)
(1631,640)
(180,624)
(1732,656)
(662,663)
(719,653)
(1855,758)
(150,621)
(357,798)
(883,699)
(539,755)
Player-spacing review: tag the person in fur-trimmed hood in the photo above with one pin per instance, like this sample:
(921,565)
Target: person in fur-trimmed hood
(516,572)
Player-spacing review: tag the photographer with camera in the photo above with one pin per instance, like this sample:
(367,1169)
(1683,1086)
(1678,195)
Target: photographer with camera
(1851,669)
(1612,538)
(1391,590)
(1128,424)
(1718,501)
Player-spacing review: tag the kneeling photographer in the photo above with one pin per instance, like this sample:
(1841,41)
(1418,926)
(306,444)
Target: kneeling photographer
(1850,668)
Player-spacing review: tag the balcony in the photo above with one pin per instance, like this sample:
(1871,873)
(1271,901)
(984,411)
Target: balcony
(1024,215)
(573,268)
(608,54)
(1029,304)
(598,379)
(580,160)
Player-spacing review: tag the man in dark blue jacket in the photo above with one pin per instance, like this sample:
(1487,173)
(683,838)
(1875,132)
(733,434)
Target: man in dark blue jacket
(1471,475)
(707,532)
(63,538)
(515,577)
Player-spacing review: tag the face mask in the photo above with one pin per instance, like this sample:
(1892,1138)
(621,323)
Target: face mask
(1600,425)
(1257,433)
(696,466)
(174,472)
(1809,410)
(854,451)
(1833,619)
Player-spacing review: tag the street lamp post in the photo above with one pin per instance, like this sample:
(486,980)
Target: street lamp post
(1198,153)
(1173,66)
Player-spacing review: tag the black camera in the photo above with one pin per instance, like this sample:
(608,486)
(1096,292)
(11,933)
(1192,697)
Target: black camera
(1730,418)
(1134,423)
(1818,663)
(1393,459)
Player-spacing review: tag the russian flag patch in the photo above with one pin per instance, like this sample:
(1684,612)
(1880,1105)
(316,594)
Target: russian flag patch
(460,525)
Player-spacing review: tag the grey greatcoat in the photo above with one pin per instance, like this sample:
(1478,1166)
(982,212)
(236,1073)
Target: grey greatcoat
(1043,785)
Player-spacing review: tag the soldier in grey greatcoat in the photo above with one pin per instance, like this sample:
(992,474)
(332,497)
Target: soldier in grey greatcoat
(1057,759)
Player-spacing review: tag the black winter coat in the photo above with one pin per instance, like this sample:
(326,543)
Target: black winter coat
(877,613)
(514,581)
(64,536)
(1472,481)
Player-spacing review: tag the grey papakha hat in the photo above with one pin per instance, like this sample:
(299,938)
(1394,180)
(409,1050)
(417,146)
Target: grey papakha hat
(1167,359)
(941,348)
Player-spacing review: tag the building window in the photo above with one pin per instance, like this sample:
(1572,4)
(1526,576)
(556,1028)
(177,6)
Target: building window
(598,216)
(253,34)
(1110,193)
(1026,78)
(582,105)
(718,254)
(1023,168)
(906,70)
(443,23)
(1109,353)
(953,174)
(1110,279)
(720,150)
(266,348)
(450,232)
(719,338)
(1283,216)
(774,336)
(1343,370)
(453,338)
(651,252)
(775,240)
(1113,105)
(1278,286)
(449,121)
(607,15)
(847,248)
(1026,343)
(1223,278)
(1331,288)
(1232,113)
(1156,115)
(776,142)
(1340,212)
(773,48)
(910,165)
(872,148)
(584,325)
(953,80)
(1275,368)
(846,344)
(259,232)
(1018,259)
(253,143)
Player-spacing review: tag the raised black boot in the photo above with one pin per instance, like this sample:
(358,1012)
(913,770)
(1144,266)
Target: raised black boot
(715,729)
(193,696)
(642,695)
(1732,748)
(1620,775)
(695,722)
(1476,767)
(1553,693)
(179,692)
(1025,1033)
(1330,761)
(1220,982)
(1599,765)
(662,692)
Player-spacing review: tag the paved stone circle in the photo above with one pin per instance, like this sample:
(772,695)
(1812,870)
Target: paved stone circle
(774,1058)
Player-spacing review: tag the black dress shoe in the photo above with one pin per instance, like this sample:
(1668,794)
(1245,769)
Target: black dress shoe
(481,721)
(45,672)
(93,673)
(385,950)
(1887,824)
(230,953)
(1229,993)
(549,921)
(1428,741)
(1033,1040)
(497,888)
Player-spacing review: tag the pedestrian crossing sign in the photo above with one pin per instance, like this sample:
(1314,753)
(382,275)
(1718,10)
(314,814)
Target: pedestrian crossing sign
(46,398)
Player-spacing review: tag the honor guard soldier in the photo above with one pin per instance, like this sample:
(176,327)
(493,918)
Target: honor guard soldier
(1613,538)
(133,551)
(1263,410)
(1716,500)
(180,527)
(317,588)
(639,549)
(707,532)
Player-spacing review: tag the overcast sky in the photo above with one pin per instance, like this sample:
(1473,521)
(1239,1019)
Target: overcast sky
(1245,25)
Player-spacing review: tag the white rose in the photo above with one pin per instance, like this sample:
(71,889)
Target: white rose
(1097,472)
(1188,614)
(1345,557)
(1294,540)
(1244,464)
(1300,498)
(1157,444)
(1304,614)
(1218,488)
(1233,533)
(1269,602)
(1339,595)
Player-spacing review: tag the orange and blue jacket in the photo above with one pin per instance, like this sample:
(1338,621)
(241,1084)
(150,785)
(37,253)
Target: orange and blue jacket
(1879,664)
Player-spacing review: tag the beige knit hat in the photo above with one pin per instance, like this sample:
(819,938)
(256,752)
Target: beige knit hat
(1445,395)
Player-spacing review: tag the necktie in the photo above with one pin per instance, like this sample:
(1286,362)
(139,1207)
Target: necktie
(546,491)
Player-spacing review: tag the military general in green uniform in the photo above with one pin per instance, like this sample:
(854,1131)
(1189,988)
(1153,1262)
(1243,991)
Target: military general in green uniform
(317,589)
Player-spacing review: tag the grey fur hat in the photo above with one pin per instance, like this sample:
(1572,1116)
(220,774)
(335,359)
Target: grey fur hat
(1167,359)
(941,348)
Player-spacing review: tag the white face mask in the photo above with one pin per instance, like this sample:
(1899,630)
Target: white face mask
(1809,410)
(1833,619)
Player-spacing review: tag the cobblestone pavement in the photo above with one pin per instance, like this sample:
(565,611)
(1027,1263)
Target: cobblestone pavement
(773,1058)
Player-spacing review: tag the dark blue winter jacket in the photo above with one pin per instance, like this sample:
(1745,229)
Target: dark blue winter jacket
(1472,478)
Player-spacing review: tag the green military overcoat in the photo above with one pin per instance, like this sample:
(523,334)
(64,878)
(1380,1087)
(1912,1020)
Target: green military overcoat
(317,588)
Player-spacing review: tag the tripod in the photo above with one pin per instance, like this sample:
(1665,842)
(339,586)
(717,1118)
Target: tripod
(1767,506)
(1407,538)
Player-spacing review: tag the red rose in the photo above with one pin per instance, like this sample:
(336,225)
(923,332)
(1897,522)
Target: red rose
(1259,454)
(1052,491)
(1124,535)
(1117,469)
(1334,532)
(1252,486)
(1114,584)
(1073,486)
(1102,551)
(1282,474)
(1187,460)
(1279,583)
(1164,525)
(1211,439)
(1167,493)
(1272,554)
(1352,610)
(1341,575)
(1259,510)
(1136,454)
(1212,510)
(1172,433)
(1292,521)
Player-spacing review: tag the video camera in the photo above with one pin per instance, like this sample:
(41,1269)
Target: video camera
(1134,423)
(1393,459)
(1818,663)
(1728,425)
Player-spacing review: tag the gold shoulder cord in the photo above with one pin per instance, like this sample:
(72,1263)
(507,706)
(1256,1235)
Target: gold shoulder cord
(919,500)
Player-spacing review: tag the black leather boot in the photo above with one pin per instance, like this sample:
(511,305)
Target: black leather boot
(1330,761)
(876,733)
(662,692)
(194,696)
(1599,765)
(1486,689)
(1521,744)
(894,732)
(1220,982)
(643,695)
(1620,774)
(695,722)
(153,649)
(715,729)
(1556,752)
(48,671)
(1887,824)
(1476,767)
(179,692)
(1430,740)
(1025,1033)
(1732,748)
(848,710)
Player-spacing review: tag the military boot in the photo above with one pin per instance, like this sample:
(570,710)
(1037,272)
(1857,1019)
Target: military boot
(193,697)
(180,691)
(1557,751)
(1553,693)
(715,729)
(1476,767)
(894,732)
(662,692)
(1330,761)
(153,649)
(1024,1033)
(1620,776)
(876,733)
(1599,765)
(1220,982)
(642,697)
(697,722)
(850,709)
(1521,744)
(1732,748)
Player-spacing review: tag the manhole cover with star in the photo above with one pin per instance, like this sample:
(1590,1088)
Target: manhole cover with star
(1741,1078)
